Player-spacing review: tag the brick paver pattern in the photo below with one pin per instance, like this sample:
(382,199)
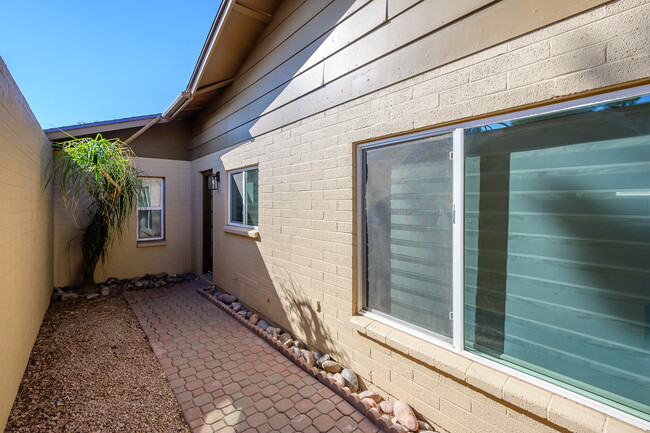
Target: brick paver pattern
(226,378)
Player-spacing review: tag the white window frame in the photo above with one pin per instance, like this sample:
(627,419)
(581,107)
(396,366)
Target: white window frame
(458,305)
(230,175)
(161,208)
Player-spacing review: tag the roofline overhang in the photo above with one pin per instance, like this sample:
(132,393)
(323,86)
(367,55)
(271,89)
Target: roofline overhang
(99,127)
(186,96)
(216,30)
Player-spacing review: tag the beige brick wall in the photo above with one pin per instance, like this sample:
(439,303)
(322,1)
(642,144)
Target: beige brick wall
(301,271)
(127,258)
(25,236)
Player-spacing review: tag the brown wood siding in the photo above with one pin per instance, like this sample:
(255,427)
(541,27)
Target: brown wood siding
(321,56)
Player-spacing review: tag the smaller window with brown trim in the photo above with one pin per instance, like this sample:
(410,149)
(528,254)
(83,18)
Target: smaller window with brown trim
(151,213)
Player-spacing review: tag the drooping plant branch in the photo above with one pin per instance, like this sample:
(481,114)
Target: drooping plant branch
(100,169)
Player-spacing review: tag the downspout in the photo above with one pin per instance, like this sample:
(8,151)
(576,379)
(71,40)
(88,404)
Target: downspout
(143,129)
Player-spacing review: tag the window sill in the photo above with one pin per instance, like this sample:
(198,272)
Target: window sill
(443,359)
(533,395)
(242,231)
(156,243)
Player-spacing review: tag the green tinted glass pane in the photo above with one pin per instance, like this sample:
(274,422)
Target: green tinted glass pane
(557,246)
(149,224)
(408,199)
(251,197)
(237,198)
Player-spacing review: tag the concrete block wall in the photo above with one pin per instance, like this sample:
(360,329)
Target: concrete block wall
(301,270)
(25,236)
(128,257)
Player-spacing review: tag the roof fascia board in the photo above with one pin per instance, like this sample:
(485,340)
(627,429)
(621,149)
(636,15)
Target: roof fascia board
(98,127)
(215,32)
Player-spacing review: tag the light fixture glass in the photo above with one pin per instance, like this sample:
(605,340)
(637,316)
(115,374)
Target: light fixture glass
(213,181)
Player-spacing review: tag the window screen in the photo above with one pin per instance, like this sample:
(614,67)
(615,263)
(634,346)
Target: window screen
(408,219)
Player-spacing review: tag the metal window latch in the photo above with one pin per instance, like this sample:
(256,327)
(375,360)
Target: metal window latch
(451,315)
(451,155)
(453,214)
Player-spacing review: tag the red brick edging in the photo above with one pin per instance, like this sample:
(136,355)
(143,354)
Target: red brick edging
(370,412)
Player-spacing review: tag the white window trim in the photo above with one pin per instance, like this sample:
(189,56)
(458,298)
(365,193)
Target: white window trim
(161,208)
(230,174)
(457,344)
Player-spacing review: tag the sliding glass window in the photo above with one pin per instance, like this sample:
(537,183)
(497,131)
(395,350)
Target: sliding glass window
(557,248)
(530,249)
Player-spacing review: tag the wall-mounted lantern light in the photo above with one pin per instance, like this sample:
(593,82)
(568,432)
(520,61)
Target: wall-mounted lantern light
(213,181)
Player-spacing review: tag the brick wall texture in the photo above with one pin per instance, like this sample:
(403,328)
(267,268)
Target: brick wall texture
(25,236)
(301,271)
(128,258)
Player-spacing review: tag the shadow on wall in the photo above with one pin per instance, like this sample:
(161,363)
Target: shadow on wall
(261,104)
(279,299)
(239,263)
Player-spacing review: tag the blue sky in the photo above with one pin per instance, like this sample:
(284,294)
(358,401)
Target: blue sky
(83,61)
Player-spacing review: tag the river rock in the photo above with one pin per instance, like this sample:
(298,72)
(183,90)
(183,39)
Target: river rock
(288,343)
(249,314)
(370,401)
(67,296)
(308,357)
(386,406)
(405,415)
(316,354)
(254,319)
(322,359)
(284,337)
(351,380)
(92,295)
(331,367)
(372,395)
(299,344)
(229,299)
(424,427)
(339,379)
(294,349)
(263,324)
(236,306)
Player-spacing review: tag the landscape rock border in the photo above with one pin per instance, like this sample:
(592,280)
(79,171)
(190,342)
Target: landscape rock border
(363,405)
(116,285)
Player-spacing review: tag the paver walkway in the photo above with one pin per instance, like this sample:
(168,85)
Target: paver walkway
(226,378)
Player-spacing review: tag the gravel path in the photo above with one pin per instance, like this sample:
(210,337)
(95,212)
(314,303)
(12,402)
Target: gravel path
(93,370)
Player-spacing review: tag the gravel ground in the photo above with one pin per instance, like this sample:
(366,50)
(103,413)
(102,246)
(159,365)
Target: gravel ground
(92,370)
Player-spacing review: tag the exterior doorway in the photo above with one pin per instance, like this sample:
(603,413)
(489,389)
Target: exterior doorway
(207,224)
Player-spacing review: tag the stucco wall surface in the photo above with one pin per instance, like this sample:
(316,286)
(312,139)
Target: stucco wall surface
(25,236)
(128,258)
(301,270)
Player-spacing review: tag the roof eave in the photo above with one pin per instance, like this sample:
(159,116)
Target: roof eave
(98,127)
